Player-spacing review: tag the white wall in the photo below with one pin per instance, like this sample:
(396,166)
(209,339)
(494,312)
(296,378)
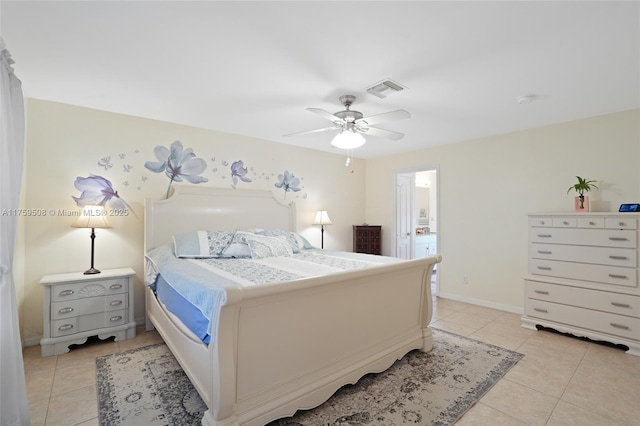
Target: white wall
(487,187)
(64,142)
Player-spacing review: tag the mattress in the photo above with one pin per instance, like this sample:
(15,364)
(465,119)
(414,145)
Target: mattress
(193,289)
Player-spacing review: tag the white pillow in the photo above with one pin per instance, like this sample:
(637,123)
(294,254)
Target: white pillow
(262,246)
(201,244)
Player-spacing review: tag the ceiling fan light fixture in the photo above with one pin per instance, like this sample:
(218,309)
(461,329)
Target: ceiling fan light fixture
(347,139)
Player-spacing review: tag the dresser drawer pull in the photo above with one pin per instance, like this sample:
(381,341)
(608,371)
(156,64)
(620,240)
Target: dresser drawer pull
(540,310)
(545,268)
(622,224)
(65,293)
(115,286)
(592,223)
(115,303)
(541,291)
(622,277)
(65,310)
(65,327)
(564,222)
(116,318)
(614,325)
(544,251)
(618,239)
(621,305)
(619,257)
(544,235)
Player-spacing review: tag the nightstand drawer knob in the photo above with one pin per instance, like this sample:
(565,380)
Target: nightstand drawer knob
(65,310)
(115,303)
(116,318)
(618,257)
(65,327)
(544,268)
(544,235)
(66,293)
(618,239)
(544,251)
(541,291)
(540,310)
(115,286)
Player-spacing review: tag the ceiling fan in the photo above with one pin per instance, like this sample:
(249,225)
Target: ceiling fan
(352,125)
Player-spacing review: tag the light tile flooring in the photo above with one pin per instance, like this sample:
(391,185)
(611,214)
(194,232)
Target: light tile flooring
(560,381)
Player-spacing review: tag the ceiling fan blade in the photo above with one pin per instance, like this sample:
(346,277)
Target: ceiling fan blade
(388,134)
(326,129)
(398,114)
(327,115)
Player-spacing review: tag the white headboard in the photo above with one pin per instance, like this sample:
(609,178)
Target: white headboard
(197,208)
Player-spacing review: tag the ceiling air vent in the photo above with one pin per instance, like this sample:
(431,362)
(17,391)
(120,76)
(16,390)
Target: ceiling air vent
(385,88)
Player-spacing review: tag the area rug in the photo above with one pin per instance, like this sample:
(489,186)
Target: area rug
(146,386)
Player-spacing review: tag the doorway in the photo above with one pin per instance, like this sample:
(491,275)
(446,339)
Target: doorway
(416,216)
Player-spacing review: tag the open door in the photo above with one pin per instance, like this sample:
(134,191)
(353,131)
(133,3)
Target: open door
(416,215)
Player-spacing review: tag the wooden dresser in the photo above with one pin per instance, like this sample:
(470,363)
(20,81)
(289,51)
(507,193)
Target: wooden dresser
(583,276)
(367,239)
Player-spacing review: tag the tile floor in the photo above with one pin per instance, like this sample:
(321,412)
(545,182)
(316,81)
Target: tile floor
(560,381)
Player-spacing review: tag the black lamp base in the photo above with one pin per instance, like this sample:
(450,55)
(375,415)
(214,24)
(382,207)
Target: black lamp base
(91,271)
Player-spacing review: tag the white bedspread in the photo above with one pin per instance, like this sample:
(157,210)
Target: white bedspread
(202,281)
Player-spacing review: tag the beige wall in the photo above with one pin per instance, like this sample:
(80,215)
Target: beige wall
(487,187)
(64,142)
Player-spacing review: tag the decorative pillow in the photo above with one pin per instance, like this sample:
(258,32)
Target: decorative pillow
(262,246)
(201,244)
(290,237)
(238,246)
(303,243)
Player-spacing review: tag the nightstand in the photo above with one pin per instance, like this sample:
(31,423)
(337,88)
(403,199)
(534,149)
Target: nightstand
(367,239)
(77,306)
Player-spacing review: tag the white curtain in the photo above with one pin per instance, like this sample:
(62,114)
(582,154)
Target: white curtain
(14,406)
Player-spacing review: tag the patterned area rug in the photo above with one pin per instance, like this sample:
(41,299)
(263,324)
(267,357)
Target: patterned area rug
(146,386)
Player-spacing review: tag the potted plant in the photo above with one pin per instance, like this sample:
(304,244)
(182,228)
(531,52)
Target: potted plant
(583,185)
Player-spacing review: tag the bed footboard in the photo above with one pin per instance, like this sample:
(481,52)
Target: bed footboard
(285,347)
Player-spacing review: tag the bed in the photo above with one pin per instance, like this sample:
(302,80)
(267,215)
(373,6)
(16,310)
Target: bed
(284,346)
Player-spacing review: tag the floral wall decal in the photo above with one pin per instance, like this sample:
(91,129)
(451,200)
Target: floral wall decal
(239,172)
(98,191)
(105,162)
(288,182)
(178,164)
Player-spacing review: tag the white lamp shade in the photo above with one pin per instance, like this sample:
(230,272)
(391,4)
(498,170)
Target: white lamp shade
(348,139)
(322,218)
(92,217)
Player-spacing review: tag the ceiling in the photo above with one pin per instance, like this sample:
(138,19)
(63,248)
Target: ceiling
(252,68)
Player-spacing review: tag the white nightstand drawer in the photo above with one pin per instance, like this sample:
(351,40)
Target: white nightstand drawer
(65,326)
(626,277)
(585,254)
(91,288)
(90,305)
(615,303)
(603,322)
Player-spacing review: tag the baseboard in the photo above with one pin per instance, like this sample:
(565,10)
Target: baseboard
(498,306)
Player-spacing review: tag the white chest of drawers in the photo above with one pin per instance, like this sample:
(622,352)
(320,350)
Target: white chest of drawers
(583,276)
(77,306)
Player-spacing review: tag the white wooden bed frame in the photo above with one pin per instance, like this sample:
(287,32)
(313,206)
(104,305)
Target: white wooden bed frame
(286,346)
